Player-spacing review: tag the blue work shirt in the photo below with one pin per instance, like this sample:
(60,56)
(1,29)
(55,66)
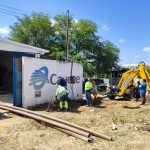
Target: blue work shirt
(142,88)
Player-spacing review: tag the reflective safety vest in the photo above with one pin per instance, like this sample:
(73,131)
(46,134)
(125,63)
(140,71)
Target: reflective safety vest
(88,85)
(62,93)
(60,90)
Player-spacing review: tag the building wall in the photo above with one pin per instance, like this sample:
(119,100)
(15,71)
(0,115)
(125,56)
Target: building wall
(39,77)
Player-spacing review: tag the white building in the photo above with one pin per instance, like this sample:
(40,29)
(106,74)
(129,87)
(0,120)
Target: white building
(30,80)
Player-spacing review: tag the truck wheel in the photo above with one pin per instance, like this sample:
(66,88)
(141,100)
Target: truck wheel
(111,96)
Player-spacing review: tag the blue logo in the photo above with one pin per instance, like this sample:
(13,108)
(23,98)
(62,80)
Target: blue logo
(39,78)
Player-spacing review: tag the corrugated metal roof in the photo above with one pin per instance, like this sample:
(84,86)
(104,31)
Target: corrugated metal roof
(8,45)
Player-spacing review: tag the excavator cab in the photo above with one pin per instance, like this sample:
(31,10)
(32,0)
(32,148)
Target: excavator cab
(115,75)
(114,78)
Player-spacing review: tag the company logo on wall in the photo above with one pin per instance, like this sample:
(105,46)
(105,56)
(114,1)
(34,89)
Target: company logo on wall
(39,78)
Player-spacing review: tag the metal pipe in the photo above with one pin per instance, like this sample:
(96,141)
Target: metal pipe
(40,118)
(76,135)
(100,135)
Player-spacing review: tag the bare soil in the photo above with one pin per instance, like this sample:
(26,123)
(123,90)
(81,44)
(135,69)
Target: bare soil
(133,128)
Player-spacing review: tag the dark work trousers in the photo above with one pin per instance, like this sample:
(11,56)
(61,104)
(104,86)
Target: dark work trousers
(143,98)
(88,97)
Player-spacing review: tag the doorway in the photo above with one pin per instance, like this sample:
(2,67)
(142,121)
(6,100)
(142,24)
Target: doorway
(6,76)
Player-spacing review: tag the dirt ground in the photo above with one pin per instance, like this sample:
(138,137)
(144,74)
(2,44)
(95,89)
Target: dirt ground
(133,128)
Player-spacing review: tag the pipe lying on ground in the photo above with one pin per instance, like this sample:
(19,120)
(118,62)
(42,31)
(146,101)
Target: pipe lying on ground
(76,135)
(86,139)
(100,135)
(57,124)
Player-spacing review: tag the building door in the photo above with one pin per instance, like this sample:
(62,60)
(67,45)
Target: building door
(17,81)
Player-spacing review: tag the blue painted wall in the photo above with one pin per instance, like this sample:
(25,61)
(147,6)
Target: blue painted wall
(17,79)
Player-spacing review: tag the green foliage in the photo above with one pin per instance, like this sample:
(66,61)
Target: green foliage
(34,30)
(85,46)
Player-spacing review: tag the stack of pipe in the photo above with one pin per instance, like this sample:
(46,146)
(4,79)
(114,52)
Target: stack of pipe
(62,125)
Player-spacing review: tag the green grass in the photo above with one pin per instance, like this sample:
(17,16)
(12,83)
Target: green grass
(145,111)
(144,121)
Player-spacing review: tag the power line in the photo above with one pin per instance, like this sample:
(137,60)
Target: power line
(8,13)
(11,11)
(14,8)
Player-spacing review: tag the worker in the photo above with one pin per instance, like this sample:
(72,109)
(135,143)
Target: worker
(93,92)
(62,96)
(62,82)
(88,91)
(136,91)
(84,81)
(138,84)
(95,88)
(132,87)
(142,89)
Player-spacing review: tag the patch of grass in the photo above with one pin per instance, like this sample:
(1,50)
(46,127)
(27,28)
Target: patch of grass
(123,120)
(119,118)
(145,111)
(144,122)
(115,118)
(122,133)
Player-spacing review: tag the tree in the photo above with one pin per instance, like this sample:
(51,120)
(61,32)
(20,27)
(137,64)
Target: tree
(85,46)
(34,30)
(107,57)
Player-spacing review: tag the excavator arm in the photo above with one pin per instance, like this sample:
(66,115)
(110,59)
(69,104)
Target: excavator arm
(128,77)
(126,80)
(143,73)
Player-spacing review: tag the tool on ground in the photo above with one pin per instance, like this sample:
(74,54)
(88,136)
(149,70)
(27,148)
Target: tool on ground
(49,104)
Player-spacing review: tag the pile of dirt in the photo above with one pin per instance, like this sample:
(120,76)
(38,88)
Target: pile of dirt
(73,105)
(131,105)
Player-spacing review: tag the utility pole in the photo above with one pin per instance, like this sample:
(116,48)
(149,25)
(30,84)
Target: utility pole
(67,36)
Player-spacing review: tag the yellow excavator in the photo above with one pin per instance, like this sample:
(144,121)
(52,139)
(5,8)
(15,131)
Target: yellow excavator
(127,79)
